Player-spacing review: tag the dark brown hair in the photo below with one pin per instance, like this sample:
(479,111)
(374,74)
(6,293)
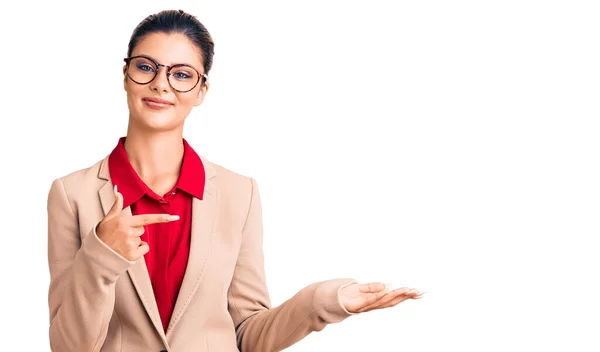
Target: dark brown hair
(173,21)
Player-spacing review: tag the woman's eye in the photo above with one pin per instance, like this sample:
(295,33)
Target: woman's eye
(181,75)
(145,68)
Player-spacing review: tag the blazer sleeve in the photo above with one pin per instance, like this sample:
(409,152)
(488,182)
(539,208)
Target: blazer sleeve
(259,327)
(83,274)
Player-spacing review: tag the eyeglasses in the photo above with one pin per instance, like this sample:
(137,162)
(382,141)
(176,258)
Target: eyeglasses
(182,78)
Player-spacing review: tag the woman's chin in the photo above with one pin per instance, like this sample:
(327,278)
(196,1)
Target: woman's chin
(159,122)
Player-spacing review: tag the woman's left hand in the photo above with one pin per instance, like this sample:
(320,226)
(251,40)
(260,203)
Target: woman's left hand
(359,298)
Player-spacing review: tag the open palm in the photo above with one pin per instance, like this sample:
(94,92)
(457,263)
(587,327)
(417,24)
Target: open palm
(358,298)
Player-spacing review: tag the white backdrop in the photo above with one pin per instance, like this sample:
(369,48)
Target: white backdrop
(450,146)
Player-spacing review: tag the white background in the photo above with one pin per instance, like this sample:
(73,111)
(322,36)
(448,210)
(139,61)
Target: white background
(450,146)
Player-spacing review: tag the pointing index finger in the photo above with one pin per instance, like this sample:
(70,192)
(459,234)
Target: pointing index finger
(147,219)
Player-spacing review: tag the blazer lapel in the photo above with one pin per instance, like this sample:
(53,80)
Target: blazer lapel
(138,272)
(204,214)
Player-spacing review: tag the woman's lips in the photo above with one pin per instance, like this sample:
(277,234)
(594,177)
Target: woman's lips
(156,105)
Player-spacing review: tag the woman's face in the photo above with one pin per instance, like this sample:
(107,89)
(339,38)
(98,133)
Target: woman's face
(165,49)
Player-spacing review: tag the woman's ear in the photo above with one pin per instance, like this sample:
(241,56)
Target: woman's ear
(125,77)
(202,93)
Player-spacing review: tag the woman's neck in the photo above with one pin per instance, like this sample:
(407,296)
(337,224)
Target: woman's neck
(156,157)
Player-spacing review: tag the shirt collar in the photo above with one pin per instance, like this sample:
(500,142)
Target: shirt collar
(191,177)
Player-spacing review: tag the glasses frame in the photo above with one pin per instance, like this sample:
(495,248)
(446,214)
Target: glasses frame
(169,68)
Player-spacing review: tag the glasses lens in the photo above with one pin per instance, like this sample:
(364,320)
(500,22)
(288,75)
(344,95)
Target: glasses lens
(142,70)
(183,78)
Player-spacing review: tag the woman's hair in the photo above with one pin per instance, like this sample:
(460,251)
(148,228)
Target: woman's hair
(173,21)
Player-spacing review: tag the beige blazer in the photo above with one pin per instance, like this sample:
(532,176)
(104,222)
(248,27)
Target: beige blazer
(99,301)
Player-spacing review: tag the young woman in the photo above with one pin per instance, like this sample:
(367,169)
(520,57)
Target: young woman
(155,248)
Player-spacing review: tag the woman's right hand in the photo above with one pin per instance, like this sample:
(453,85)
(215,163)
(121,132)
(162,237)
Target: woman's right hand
(122,233)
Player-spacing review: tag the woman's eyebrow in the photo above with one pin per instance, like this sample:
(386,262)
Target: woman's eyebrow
(174,63)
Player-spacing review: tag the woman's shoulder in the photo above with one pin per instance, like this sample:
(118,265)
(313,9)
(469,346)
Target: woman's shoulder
(225,178)
(85,174)
(81,185)
(83,177)
(213,169)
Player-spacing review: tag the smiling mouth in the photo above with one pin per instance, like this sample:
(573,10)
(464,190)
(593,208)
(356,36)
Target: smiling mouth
(156,105)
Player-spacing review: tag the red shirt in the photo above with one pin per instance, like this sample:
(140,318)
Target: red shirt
(169,242)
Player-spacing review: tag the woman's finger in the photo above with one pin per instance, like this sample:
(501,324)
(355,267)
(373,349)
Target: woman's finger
(410,294)
(418,295)
(401,298)
(372,305)
(137,231)
(389,297)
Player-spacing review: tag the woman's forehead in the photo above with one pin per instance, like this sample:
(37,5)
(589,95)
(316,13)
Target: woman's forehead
(169,49)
